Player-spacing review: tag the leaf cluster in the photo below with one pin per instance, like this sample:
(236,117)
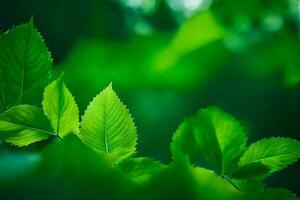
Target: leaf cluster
(236,170)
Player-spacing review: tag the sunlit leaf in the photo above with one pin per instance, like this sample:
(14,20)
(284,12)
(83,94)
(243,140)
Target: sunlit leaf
(60,108)
(108,128)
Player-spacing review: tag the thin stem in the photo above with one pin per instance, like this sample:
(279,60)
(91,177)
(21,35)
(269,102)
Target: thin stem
(58,137)
(231,182)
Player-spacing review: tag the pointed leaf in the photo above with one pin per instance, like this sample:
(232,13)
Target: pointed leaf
(218,137)
(60,108)
(273,154)
(25,65)
(227,135)
(24,124)
(108,128)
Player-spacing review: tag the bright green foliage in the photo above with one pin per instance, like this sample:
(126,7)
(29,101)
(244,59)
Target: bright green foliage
(140,169)
(60,108)
(25,64)
(219,138)
(267,156)
(24,124)
(108,128)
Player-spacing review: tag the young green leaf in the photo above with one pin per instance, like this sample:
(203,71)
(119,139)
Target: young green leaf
(108,128)
(60,108)
(267,156)
(25,65)
(24,124)
(218,137)
(140,169)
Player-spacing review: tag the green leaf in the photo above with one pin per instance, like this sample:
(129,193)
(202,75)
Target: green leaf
(24,124)
(140,169)
(108,128)
(183,145)
(227,136)
(25,65)
(267,156)
(218,137)
(60,108)
(250,171)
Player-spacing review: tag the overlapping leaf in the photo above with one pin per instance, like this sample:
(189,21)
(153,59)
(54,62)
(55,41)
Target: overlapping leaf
(60,108)
(267,156)
(24,124)
(218,137)
(108,128)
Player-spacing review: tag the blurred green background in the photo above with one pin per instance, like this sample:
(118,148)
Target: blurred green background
(166,59)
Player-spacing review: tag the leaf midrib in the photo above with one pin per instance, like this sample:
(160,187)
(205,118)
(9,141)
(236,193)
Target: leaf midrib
(24,66)
(105,126)
(264,158)
(221,151)
(60,102)
(29,127)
